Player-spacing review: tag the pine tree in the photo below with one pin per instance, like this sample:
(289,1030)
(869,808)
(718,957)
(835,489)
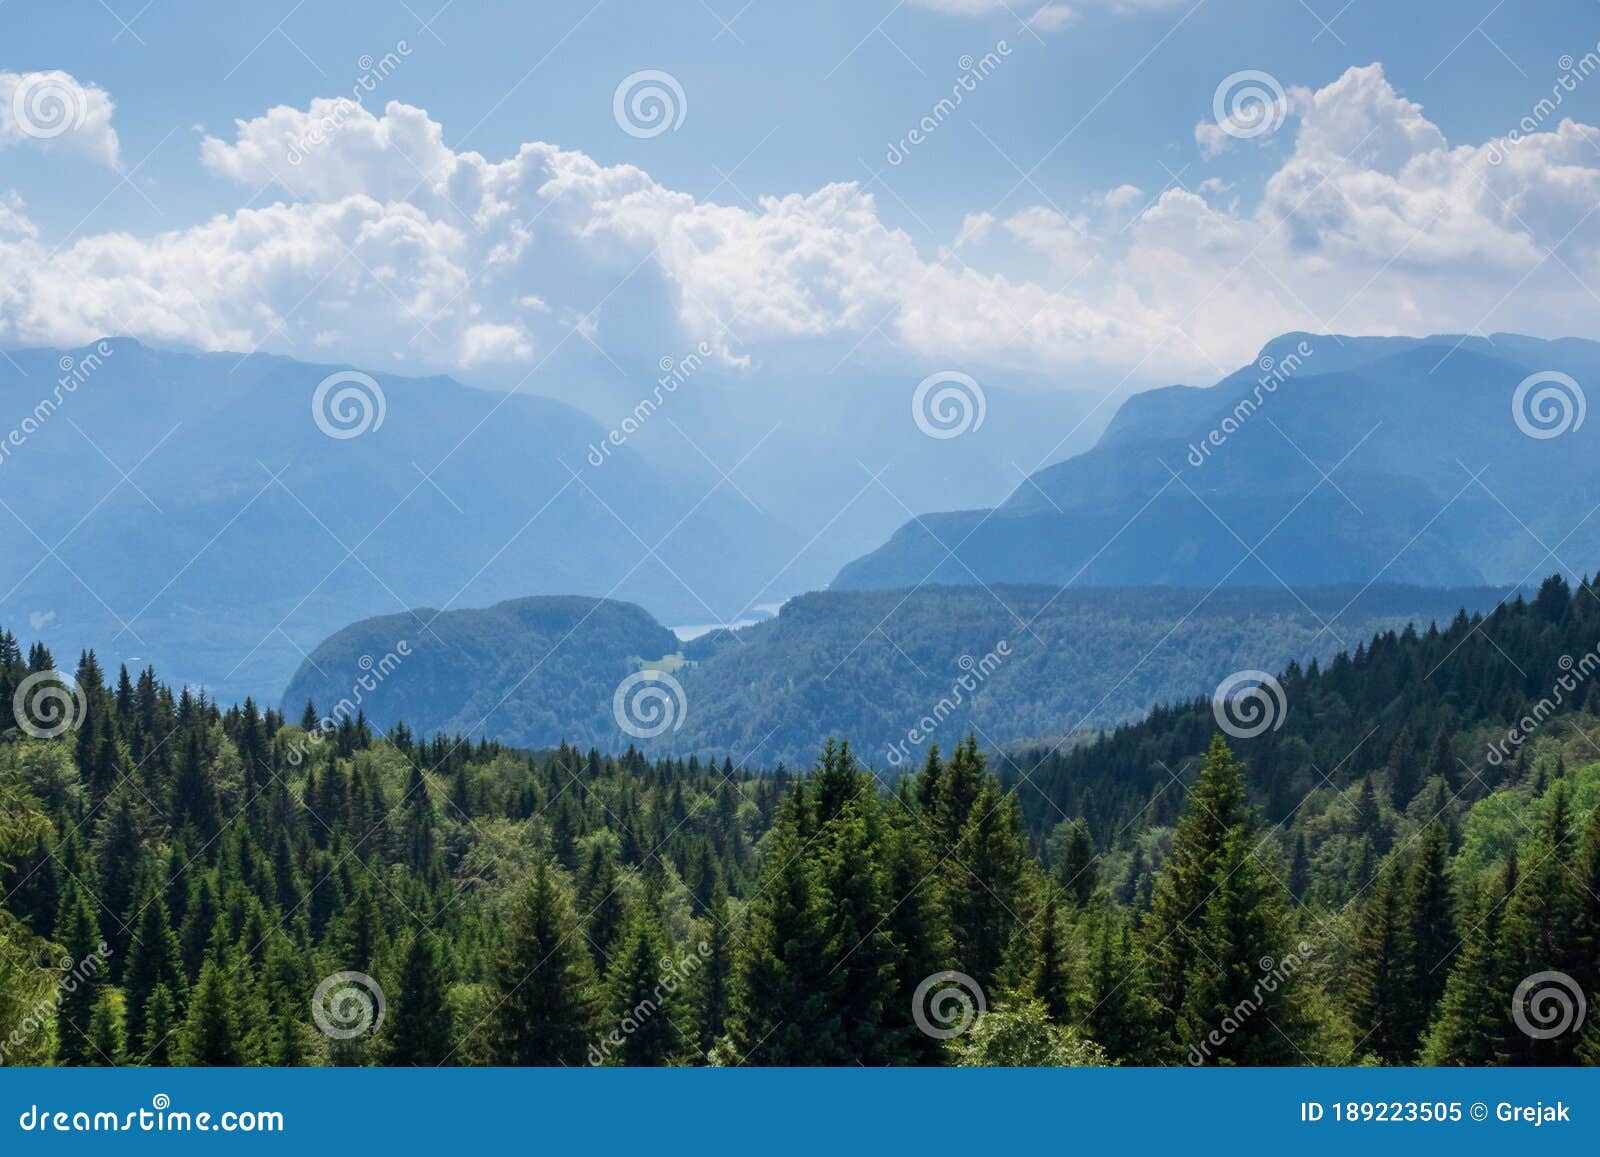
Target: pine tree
(1430,924)
(710,996)
(421,1024)
(1383,994)
(643,1005)
(210,1036)
(781,1011)
(544,978)
(79,934)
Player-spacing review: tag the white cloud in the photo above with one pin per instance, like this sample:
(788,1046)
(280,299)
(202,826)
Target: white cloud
(56,112)
(391,245)
(13,216)
(1052,17)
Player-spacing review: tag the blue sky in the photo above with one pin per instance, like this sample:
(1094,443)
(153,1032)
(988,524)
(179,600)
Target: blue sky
(1014,196)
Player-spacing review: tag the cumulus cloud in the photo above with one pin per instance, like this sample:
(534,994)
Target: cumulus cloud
(389,246)
(56,112)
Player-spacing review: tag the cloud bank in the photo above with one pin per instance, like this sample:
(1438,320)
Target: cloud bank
(386,246)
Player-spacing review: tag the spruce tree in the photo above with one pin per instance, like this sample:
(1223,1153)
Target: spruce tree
(544,978)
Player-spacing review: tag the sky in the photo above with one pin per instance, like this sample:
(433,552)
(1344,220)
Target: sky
(1146,189)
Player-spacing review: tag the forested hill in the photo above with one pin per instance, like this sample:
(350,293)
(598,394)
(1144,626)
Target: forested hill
(1398,709)
(1010,663)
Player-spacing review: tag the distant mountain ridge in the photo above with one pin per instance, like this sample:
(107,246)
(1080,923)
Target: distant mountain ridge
(1366,459)
(189,510)
(894,670)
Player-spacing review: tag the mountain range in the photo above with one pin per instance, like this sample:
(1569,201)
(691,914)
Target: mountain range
(895,671)
(1329,460)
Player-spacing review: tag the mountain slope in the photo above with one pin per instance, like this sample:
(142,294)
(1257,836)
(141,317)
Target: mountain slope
(894,671)
(188,509)
(1330,460)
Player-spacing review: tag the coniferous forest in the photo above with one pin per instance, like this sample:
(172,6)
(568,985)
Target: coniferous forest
(1380,874)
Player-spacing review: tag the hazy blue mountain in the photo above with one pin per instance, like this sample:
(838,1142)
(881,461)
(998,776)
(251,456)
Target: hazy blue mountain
(1014,663)
(243,535)
(1350,460)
